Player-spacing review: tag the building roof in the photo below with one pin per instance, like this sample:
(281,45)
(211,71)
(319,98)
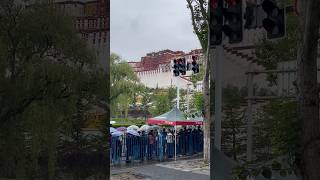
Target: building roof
(152,61)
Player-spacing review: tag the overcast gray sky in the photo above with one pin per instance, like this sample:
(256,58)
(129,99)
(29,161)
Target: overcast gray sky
(142,26)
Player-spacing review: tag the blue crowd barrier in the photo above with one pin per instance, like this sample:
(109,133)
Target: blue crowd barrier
(132,148)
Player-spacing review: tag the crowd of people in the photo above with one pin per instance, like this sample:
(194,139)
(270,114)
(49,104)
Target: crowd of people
(156,144)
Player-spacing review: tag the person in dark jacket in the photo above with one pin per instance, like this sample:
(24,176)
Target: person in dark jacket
(164,143)
(129,147)
(151,141)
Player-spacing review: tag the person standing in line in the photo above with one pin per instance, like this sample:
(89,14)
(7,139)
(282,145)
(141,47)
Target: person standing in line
(160,146)
(190,141)
(129,147)
(143,141)
(200,135)
(156,144)
(151,140)
(170,149)
(185,139)
(164,135)
(180,142)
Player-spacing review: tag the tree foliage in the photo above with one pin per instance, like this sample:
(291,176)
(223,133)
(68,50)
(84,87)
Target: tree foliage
(125,85)
(276,140)
(48,78)
(269,53)
(200,23)
(199,19)
(277,124)
(161,104)
(233,125)
(123,79)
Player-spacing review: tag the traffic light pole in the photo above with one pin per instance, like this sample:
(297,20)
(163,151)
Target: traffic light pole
(178,96)
(175,127)
(188,99)
(218,95)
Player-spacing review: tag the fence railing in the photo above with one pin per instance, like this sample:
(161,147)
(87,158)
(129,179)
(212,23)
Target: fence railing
(132,148)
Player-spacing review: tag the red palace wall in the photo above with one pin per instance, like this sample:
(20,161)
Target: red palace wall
(152,61)
(92,22)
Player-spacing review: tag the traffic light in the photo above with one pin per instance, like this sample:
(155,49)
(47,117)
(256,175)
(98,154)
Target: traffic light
(182,66)
(215,22)
(233,21)
(250,16)
(175,68)
(274,24)
(195,66)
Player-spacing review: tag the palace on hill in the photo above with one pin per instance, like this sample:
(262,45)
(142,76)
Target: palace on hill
(155,69)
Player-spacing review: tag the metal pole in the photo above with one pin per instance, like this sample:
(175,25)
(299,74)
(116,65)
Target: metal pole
(218,96)
(249,116)
(175,142)
(188,99)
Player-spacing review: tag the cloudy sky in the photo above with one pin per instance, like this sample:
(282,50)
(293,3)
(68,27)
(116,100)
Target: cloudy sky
(142,26)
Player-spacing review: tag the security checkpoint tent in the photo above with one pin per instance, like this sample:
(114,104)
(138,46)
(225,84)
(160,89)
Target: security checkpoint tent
(196,118)
(173,118)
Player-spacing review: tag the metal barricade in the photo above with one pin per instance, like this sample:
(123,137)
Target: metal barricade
(133,148)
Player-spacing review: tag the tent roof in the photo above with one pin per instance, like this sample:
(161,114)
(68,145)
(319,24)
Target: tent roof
(173,117)
(197,118)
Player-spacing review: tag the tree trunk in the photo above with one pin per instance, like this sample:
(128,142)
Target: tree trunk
(206,124)
(308,154)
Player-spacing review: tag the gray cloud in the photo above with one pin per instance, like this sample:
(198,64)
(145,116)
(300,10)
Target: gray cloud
(142,26)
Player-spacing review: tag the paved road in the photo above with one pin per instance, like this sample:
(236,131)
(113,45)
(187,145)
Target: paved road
(160,172)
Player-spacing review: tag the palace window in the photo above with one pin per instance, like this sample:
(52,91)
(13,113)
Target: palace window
(94,38)
(103,22)
(105,37)
(78,24)
(91,23)
(99,37)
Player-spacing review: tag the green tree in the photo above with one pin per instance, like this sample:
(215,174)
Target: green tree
(302,44)
(161,105)
(199,20)
(172,94)
(44,69)
(123,78)
(198,101)
(124,85)
(276,140)
(276,128)
(233,125)
(270,53)
(147,96)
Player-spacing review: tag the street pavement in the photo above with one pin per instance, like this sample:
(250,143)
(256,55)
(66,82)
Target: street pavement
(193,169)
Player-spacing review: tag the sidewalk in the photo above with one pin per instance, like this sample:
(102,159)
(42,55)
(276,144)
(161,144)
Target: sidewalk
(181,169)
(155,161)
